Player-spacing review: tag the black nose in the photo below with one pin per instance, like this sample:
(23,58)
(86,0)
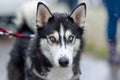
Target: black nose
(63,61)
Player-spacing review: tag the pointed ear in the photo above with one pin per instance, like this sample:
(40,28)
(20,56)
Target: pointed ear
(43,15)
(79,15)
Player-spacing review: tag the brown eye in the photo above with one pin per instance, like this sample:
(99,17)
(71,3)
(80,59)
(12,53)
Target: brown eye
(52,39)
(70,38)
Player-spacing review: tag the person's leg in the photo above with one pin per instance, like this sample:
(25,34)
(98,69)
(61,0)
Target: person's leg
(111,34)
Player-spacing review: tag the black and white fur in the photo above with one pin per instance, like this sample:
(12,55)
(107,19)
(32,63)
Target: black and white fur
(55,51)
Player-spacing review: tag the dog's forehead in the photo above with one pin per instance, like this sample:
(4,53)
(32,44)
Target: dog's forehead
(60,20)
(60,16)
(55,22)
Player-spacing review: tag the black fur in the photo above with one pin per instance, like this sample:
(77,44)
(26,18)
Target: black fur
(17,55)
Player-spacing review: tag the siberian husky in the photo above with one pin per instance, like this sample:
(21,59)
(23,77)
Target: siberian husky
(54,53)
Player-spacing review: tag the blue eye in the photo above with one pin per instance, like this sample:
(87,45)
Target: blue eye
(71,38)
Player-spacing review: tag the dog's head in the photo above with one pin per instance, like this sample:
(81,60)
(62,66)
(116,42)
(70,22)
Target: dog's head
(60,34)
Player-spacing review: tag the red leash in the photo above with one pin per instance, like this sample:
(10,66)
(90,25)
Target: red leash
(19,35)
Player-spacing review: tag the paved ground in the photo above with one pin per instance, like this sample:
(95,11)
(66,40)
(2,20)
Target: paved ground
(91,67)
(96,69)
(4,57)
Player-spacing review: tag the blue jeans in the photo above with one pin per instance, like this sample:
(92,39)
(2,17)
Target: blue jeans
(113,9)
(112,26)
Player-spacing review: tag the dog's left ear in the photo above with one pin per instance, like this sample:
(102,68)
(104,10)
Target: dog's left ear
(43,14)
(79,15)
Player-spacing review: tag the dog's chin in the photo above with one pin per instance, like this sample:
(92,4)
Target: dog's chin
(63,67)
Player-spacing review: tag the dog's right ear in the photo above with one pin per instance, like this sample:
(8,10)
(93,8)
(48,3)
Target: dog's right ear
(43,14)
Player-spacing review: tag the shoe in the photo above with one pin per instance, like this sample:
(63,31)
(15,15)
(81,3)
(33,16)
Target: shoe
(113,56)
(114,60)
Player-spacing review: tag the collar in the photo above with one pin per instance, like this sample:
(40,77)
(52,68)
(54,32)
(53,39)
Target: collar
(33,72)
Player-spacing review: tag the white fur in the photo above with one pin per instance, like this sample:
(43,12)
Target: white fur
(67,34)
(62,34)
(28,62)
(27,12)
(45,47)
(58,73)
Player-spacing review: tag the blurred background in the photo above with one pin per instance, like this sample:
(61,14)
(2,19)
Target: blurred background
(94,63)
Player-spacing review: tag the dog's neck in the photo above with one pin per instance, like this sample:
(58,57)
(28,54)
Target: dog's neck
(58,73)
(50,72)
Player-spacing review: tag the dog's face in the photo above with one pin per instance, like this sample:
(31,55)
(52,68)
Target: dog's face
(60,34)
